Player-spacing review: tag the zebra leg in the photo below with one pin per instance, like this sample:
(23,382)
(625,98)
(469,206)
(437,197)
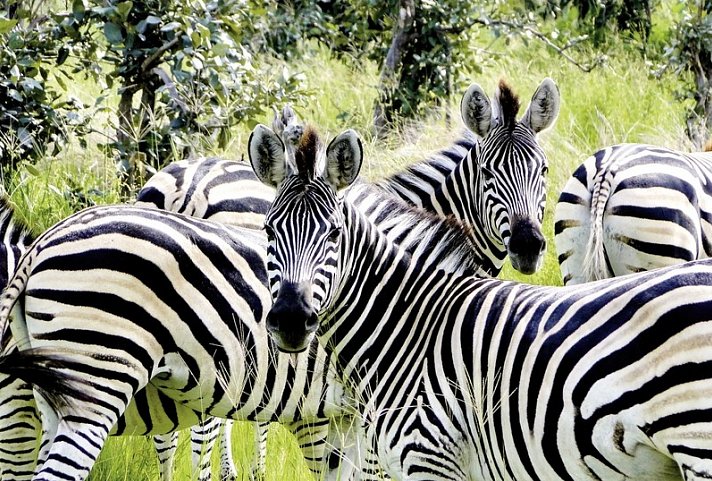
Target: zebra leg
(50,422)
(166,446)
(259,458)
(312,438)
(202,440)
(20,428)
(228,471)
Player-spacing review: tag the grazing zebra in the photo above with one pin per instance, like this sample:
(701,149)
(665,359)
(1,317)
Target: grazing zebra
(493,181)
(631,208)
(467,378)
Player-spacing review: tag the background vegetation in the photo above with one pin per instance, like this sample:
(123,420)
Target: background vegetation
(91,85)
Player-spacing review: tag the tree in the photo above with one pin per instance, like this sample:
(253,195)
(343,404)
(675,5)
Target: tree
(690,52)
(34,115)
(185,74)
(181,68)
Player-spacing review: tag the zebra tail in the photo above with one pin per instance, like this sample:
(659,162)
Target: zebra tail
(47,373)
(595,266)
(10,296)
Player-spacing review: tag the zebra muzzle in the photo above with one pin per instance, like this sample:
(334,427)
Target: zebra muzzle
(292,322)
(527,245)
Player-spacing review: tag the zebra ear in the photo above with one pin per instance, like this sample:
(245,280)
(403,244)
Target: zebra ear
(544,107)
(286,124)
(266,152)
(344,156)
(476,110)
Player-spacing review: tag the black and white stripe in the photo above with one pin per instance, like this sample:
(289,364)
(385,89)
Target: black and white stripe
(460,378)
(631,208)
(144,299)
(492,179)
(19,421)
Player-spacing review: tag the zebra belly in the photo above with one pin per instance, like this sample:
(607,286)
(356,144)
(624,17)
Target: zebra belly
(149,413)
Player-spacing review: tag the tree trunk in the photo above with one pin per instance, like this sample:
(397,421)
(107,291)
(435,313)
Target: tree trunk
(388,82)
(699,121)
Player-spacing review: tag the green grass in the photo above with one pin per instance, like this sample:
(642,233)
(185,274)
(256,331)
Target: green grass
(618,102)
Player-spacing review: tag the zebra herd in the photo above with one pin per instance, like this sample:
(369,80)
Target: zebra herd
(364,317)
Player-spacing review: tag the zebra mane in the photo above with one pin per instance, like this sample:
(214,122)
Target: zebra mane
(307,154)
(439,164)
(443,241)
(508,104)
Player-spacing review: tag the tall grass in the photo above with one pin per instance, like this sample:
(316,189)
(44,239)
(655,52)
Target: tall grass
(617,102)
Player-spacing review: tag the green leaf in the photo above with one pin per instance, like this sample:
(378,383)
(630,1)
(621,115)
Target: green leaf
(153,20)
(6,25)
(32,170)
(62,55)
(124,8)
(169,27)
(112,32)
(30,84)
(78,8)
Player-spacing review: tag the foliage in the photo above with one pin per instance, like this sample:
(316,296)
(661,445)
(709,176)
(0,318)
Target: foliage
(690,52)
(600,18)
(435,43)
(189,61)
(35,115)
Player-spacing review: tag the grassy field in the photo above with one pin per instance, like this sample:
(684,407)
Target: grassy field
(618,102)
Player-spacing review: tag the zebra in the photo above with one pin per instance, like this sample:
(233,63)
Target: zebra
(462,377)
(19,419)
(631,208)
(84,241)
(20,422)
(490,179)
(166,303)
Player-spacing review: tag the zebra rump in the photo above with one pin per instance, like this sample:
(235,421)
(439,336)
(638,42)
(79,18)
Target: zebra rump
(631,208)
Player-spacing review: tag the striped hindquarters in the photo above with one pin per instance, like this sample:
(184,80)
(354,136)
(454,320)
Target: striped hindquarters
(631,208)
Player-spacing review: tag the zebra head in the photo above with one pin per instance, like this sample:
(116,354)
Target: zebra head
(508,168)
(303,226)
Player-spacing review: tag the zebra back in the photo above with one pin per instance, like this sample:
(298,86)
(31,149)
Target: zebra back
(220,190)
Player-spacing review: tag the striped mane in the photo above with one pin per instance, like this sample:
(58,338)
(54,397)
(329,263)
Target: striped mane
(508,104)
(444,241)
(307,154)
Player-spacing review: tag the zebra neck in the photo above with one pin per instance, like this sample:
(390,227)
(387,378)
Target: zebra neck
(461,195)
(379,282)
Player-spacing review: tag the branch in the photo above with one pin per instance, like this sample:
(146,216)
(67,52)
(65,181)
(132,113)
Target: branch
(148,63)
(515,26)
(171,87)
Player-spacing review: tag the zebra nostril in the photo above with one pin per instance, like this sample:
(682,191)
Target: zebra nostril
(272,322)
(312,322)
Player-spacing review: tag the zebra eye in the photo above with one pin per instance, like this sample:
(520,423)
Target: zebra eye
(269,232)
(544,170)
(334,234)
